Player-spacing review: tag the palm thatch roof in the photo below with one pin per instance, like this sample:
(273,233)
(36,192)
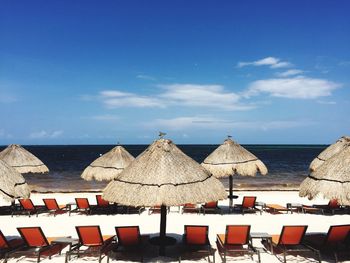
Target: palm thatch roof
(163,175)
(331,179)
(12,183)
(231,158)
(338,146)
(108,166)
(22,160)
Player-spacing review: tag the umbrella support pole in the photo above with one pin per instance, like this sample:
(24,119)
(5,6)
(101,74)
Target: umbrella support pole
(163,212)
(231,190)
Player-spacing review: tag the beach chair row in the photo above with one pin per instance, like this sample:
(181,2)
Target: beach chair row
(249,205)
(81,205)
(128,242)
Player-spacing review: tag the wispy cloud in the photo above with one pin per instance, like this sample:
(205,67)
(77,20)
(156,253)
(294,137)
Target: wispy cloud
(293,88)
(194,95)
(173,95)
(272,62)
(146,77)
(106,117)
(208,122)
(326,102)
(4,134)
(45,134)
(116,99)
(290,72)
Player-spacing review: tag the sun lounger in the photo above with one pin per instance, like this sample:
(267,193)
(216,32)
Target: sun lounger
(290,240)
(275,208)
(91,243)
(332,207)
(235,242)
(211,207)
(130,242)
(102,206)
(28,208)
(248,205)
(134,209)
(54,208)
(156,209)
(195,242)
(36,244)
(294,207)
(190,208)
(83,206)
(312,209)
(334,242)
(9,245)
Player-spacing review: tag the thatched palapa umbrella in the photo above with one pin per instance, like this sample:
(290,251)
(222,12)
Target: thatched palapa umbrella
(331,179)
(22,160)
(163,175)
(229,159)
(108,166)
(341,144)
(12,183)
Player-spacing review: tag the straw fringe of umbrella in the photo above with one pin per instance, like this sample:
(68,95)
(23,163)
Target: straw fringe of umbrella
(22,160)
(108,166)
(12,183)
(341,144)
(163,175)
(331,179)
(231,158)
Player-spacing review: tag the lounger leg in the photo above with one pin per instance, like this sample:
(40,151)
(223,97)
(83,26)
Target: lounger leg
(259,259)
(335,257)
(67,256)
(284,256)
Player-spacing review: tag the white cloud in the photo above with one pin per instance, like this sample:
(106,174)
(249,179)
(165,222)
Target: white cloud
(214,123)
(293,88)
(4,134)
(189,95)
(145,77)
(45,134)
(290,72)
(272,62)
(106,117)
(326,102)
(116,99)
(194,95)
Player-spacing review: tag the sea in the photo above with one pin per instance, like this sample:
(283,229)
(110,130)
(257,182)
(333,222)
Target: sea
(287,164)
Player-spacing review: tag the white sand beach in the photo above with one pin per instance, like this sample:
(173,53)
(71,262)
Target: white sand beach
(64,225)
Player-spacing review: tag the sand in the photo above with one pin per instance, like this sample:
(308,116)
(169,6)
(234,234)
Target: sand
(64,225)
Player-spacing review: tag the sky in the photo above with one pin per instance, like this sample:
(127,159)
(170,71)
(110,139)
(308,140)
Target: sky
(103,72)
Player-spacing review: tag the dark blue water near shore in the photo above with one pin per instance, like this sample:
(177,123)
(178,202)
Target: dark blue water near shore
(287,164)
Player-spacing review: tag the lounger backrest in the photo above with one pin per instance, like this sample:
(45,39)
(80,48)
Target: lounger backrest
(188,205)
(82,203)
(101,202)
(337,234)
(128,235)
(196,235)
(33,236)
(292,235)
(27,204)
(51,204)
(248,201)
(211,204)
(89,235)
(237,234)
(333,204)
(3,241)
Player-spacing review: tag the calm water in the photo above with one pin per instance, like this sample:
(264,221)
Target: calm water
(287,164)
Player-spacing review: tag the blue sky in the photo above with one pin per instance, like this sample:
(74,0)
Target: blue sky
(96,72)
